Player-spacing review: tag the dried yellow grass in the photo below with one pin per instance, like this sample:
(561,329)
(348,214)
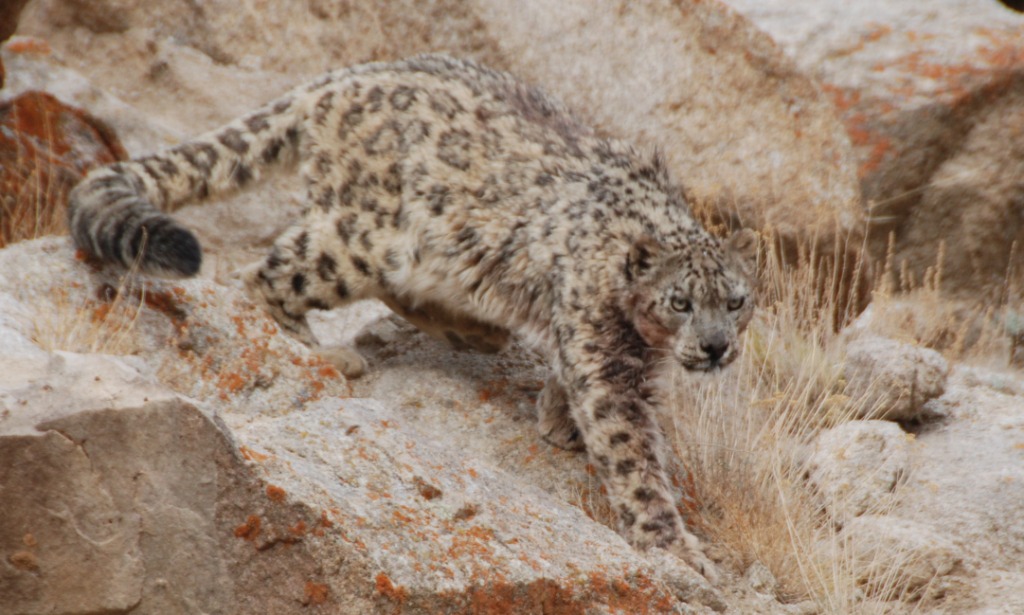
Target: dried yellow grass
(73,321)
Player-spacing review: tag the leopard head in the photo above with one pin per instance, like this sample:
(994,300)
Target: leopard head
(693,304)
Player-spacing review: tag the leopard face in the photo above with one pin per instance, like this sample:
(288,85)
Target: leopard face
(694,305)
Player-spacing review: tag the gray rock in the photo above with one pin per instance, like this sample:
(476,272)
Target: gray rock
(892,380)
(856,466)
(931,94)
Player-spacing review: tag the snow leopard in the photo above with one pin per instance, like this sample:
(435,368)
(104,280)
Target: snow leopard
(481,209)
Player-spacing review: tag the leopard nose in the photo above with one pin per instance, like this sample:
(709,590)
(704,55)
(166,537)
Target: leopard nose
(715,349)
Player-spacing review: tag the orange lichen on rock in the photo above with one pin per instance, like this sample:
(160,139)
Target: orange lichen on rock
(316,371)
(324,521)
(874,145)
(230,382)
(388,589)
(466,513)
(24,560)
(275,493)
(29,44)
(314,593)
(473,544)
(100,312)
(842,98)
(168,303)
(249,530)
(425,489)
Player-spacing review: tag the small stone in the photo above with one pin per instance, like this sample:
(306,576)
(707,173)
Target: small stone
(856,466)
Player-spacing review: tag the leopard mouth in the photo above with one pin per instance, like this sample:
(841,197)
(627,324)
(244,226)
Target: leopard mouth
(708,365)
(703,366)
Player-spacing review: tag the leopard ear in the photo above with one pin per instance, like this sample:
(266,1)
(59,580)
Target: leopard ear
(641,257)
(742,247)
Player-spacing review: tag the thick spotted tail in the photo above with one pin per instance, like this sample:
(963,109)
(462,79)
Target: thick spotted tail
(118,212)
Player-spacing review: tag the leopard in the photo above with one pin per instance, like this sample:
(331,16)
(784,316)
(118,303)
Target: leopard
(483,210)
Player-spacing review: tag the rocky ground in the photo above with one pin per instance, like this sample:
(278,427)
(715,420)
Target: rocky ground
(164,450)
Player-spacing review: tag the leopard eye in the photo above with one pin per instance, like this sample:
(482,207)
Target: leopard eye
(680,304)
(735,304)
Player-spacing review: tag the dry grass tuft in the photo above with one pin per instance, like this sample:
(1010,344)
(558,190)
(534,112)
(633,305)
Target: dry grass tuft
(925,313)
(101,325)
(32,203)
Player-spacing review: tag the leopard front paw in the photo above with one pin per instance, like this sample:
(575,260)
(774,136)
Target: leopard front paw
(690,550)
(659,526)
(348,361)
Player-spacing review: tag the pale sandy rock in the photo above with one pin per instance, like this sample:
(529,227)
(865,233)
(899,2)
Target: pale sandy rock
(57,515)
(931,94)
(856,467)
(900,559)
(894,379)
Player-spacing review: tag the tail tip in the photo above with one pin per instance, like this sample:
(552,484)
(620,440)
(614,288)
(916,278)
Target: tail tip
(167,250)
(177,252)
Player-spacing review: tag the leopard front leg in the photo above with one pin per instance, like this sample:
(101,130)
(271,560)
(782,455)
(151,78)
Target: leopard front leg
(624,443)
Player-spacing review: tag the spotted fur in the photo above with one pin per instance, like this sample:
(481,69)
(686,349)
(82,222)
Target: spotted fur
(474,206)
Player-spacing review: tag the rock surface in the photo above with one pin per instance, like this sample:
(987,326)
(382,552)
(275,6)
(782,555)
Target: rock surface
(968,483)
(931,95)
(277,490)
(896,379)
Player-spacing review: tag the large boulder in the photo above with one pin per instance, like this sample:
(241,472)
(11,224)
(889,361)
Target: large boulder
(932,95)
(225,469)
